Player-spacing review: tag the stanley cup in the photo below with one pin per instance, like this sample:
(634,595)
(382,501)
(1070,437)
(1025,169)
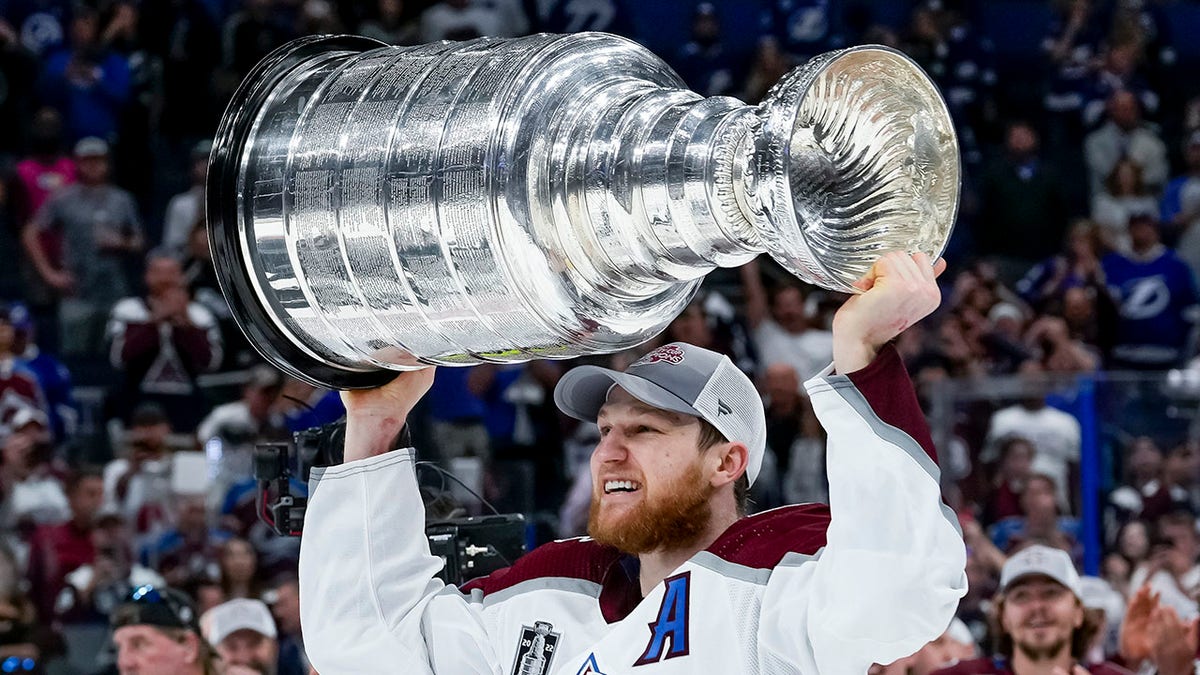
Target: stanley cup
(376,209)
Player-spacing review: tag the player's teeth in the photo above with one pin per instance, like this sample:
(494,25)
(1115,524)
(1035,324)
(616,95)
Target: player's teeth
(612,485)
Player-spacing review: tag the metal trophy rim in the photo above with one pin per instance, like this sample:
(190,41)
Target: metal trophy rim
(232,269)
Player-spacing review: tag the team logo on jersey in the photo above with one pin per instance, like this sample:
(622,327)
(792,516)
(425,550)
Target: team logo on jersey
(671,626)
(536,649)
(671,354)
(589,667)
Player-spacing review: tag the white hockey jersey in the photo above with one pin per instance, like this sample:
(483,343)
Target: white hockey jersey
(801,589)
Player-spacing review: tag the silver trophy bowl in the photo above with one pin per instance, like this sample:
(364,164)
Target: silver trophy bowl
(375,209)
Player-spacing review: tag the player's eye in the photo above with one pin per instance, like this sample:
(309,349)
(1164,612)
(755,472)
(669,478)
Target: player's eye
(604,431)
(643,429)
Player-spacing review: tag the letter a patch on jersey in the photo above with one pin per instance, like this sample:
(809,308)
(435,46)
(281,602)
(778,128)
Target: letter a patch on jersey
(589,667)
(669,632)
(535,650)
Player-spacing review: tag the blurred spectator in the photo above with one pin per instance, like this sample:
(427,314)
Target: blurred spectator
(161,342)
(1181,200)
(1055,436)
(286,609)
(18,68)
(1104,606)
(31,491)
(1172,570)
(796,440)
(389,24)
(1040,622)
(1060,352)
(20,634)
(243,633)
(782,328)
(1022,209)
(57,550)
(1132,548)
(42,172)
(155,631)
(187,207)
(1118,72)
(461,20)
(229,432)
(513,13)
(99,227)
(1012,473)
(52,376)
(1125,136)
(570,16)
(1040,522)
(137,484)
(247,36)
(712,322)
(805,28)
(19,387)
(1124,196)
(1155,292)
(94,589)
(191,551)
(239,570)
(770,63)
(1072,45)
(1143,480)
(89,83)
(1077,266)
(703,63)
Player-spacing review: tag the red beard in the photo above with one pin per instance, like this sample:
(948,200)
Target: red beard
(674,520)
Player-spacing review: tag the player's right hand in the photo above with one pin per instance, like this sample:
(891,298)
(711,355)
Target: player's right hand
(375,416)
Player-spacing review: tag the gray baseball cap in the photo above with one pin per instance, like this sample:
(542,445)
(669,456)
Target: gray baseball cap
(682,378)
(1039,560)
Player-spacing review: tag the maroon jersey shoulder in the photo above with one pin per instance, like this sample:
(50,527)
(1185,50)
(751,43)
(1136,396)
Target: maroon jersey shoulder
(889,391)
(762,540)
(579,558)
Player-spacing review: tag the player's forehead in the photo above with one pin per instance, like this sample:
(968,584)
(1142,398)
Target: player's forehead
(620,404)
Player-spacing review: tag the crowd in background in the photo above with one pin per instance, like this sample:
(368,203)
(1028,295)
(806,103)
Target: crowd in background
(1076,252)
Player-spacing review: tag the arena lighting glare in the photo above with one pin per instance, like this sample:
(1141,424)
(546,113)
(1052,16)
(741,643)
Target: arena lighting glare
(375,209)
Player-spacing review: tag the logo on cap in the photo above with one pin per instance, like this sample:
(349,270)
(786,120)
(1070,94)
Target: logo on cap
(671,354)
(723,408)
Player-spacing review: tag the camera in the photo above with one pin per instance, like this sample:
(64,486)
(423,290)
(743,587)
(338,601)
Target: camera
(469,547)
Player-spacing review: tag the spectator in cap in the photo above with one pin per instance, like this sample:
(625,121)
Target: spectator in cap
(243,633)
(155,632)
(187,208)
(99,226)
(1040,623)
(31,492)
(162,341)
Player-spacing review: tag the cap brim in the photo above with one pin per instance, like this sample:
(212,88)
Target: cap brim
(583,390)
(1043,574)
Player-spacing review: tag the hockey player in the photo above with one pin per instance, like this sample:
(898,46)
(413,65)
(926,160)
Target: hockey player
(673,578)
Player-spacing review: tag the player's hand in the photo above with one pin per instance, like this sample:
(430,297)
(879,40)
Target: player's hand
(375,416)
(900,290)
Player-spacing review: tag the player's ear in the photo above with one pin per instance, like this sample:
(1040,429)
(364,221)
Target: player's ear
(734,460)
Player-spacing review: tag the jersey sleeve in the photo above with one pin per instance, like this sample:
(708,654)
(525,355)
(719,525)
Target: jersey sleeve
(369,598)
(893,568)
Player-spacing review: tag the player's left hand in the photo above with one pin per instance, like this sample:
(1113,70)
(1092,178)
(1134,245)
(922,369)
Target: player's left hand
(900,290)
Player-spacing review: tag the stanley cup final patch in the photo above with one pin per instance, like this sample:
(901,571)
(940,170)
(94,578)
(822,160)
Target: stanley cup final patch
(535,650)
